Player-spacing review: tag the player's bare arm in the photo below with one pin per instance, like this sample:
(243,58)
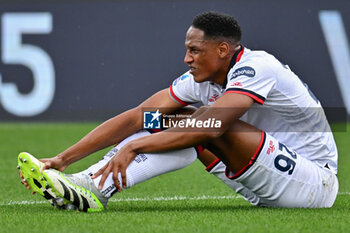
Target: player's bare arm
(110,132)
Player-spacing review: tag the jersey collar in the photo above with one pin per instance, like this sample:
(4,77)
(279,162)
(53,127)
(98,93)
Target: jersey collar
(236,57)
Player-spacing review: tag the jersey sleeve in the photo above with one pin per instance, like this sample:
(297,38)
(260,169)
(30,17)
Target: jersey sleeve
(185,90)
(254,81)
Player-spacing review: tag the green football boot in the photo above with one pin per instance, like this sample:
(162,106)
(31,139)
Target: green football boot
(61,190)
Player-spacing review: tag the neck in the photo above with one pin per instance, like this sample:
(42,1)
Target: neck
(229,61)
(221,76)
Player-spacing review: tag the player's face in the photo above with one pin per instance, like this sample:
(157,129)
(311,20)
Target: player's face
(202,56)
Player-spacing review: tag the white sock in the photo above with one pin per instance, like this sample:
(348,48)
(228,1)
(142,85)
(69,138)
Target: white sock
(144,166)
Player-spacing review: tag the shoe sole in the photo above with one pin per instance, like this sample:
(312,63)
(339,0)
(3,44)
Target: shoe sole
(30,168)
(51,184)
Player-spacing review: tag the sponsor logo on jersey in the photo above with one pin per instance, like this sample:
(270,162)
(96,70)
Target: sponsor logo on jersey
(246,71)
(182,77)
(213,98)
(175,82)
(151,120)
(236,84)
(271,148)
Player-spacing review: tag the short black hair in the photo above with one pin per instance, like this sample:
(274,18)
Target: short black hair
(216,25)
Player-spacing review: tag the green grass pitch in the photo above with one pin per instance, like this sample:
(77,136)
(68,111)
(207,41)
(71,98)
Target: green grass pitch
(189,200)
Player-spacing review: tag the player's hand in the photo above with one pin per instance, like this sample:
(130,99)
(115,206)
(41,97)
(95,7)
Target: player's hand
(55,163)
(118,164)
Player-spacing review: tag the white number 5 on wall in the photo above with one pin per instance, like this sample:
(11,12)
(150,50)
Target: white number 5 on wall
(36,59)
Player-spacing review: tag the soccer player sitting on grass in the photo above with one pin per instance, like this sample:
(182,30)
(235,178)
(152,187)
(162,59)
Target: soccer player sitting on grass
(274,145)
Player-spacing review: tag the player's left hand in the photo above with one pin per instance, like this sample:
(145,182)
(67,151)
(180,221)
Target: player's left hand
(118,164)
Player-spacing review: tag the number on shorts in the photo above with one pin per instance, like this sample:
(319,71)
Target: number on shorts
(289,162)
(292,153)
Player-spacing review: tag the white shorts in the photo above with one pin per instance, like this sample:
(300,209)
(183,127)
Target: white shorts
(282,178)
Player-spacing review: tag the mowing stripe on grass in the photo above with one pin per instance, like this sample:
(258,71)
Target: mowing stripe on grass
(175,198)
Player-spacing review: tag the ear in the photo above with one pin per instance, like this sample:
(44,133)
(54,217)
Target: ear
(223,49)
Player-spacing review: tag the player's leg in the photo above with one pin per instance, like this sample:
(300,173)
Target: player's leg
(236,147)
(147,166)
(216,167)
(272,171)
(54,185)
(80,190)
(144,166)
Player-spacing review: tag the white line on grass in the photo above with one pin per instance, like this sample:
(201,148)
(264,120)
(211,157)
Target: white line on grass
(22,203)
(175,198)
(344,193)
